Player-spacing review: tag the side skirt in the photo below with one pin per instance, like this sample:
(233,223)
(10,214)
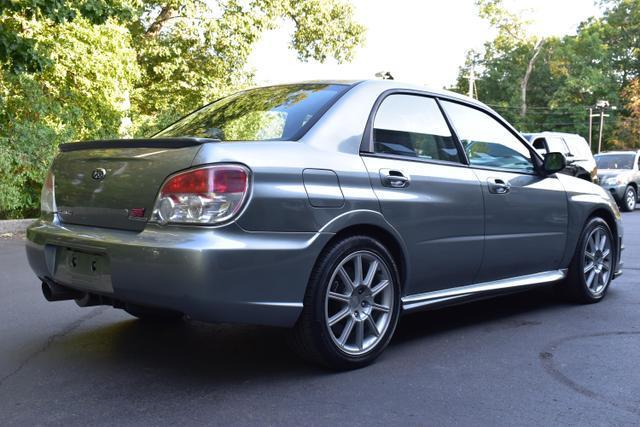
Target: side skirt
(480,290)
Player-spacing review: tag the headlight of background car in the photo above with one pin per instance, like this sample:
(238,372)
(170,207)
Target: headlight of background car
(615,180)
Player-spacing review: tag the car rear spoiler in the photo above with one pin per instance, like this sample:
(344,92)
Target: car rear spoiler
(136,143)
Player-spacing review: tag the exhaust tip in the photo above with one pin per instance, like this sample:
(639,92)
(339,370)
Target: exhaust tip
(46,291)
(54,292)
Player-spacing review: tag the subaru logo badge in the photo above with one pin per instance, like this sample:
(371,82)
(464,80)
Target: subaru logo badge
(98,174)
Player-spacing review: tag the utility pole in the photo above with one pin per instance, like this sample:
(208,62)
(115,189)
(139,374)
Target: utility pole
(590,127)
(601,129)
(601,106)
(472,80)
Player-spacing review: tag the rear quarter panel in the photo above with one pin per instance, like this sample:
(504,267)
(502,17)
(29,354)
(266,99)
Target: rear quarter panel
(278,199)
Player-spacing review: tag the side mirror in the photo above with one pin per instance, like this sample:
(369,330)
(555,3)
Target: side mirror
(554,162)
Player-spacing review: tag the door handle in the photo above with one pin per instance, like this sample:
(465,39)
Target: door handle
(393,178)
(498,186)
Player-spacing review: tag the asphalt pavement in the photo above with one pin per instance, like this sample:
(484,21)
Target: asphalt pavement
(525,359)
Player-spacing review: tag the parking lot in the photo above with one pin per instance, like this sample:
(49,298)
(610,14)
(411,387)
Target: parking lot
(524,359)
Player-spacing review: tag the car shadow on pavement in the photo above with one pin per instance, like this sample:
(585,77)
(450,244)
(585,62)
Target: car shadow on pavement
(203,353)
(502,312)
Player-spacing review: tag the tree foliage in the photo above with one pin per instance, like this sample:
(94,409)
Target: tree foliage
(569,75)
(89,69)
(629,126)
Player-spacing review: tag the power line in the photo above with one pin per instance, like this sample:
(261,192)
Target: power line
(577,108)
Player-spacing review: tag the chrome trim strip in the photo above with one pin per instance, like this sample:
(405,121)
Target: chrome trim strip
(412,302)
(278,304)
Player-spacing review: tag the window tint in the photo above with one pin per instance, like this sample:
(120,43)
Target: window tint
(487,142)
(267,113)
(413,126)
(538,144)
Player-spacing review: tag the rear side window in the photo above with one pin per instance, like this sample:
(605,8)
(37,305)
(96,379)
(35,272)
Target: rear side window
(556,145)
(579,147)
(486,141)
(538,144)
(264,114)
(413,126)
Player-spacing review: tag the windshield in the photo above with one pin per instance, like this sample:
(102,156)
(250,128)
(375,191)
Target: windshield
(268,113)
(615,161)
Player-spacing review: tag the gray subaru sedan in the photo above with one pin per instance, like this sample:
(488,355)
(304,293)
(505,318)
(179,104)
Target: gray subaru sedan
(330,208)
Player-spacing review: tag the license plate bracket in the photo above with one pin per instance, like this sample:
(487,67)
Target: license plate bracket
(83,270)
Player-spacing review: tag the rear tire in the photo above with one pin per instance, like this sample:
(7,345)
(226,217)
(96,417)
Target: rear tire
(350,313)
(592,267)
(628,203)
(152,314)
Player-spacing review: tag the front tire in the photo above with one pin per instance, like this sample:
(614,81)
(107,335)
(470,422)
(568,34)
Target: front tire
(591,269)
(629,200)
(351,306)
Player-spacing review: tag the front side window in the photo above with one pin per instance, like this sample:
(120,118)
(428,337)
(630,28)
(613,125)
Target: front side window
(262,114)
(413,126)
(486,141)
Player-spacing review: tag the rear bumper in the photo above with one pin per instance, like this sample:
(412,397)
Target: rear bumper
(213,274)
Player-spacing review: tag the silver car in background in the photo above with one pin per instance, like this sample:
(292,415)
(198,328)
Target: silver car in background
(326,207)
(619,173)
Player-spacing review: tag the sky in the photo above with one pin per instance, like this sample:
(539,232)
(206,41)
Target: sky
(418,41)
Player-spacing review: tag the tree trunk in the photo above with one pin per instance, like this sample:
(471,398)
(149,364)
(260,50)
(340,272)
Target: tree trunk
(165,14)
(525,80)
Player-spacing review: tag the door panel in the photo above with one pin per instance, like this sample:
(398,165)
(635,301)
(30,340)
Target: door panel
(525,213)
(439,212)
(525,224)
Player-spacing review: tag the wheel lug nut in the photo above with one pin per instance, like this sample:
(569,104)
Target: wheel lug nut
(364,304)
(357,313)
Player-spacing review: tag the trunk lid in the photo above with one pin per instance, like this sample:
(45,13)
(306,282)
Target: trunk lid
(115,184)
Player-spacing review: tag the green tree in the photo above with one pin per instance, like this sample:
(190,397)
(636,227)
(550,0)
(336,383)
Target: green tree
(84,69)
(79,95)
(191,52)
(567,75)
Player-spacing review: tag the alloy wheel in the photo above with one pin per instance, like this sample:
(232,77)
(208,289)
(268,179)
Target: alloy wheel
(359,302)
(598,261)
(630,199)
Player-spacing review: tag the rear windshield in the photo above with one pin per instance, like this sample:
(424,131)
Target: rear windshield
(264,114)
(615,161)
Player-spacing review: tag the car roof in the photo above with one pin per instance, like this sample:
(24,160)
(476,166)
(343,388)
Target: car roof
(617,152)
(383,85)
(549,133)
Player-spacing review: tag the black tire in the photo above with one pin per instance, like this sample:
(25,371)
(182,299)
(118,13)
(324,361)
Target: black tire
(628,203)
(311,337)
(152,314)
(575,288)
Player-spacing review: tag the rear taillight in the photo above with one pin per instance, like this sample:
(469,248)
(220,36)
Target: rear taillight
(208,195)
(47,196)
